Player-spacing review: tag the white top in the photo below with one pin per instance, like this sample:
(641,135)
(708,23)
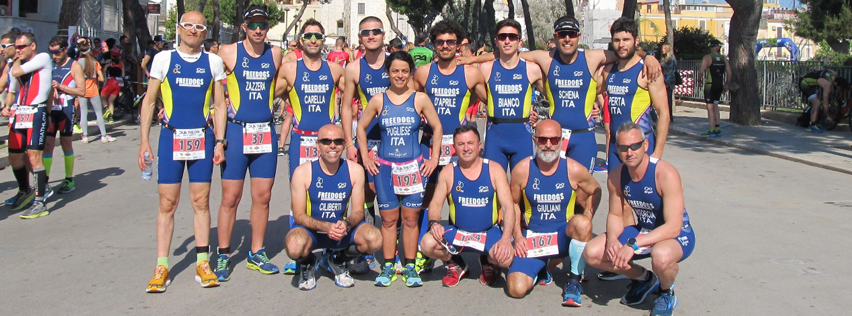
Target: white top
(42,65)
(163,60)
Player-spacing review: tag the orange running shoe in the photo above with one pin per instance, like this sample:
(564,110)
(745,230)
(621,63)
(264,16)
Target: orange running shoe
(159,281)
(204,275)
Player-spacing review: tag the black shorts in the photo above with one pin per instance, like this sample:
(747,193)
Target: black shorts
(61,121)
(712,93)
(809,92)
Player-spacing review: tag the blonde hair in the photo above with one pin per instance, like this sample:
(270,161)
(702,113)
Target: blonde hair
(669,54)
(409,46)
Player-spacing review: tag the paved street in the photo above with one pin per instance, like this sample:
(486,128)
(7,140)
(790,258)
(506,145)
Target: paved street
(771,238)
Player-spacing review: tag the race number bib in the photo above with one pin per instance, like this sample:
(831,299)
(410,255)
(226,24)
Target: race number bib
(406,178)
(447,150)
(542,244)
(24,116)
(257,138)
(566,136)
(188,144)
(468,239)
(308,151)
(373,147)
(643,250)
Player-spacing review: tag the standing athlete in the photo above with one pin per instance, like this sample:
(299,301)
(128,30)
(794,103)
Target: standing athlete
(544,188)
(322,192)
(249,139)
(653,189)
(69,82)
(187,77)
(508,138)
(472,186)
(30,92)
(633,94)
(714,84)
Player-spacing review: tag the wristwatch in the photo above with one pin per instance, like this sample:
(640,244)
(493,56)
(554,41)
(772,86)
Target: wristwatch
(224,142)
(632,243)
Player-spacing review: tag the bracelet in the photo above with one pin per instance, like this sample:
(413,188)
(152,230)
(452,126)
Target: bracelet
(349,145)
(432,223)
(348,225)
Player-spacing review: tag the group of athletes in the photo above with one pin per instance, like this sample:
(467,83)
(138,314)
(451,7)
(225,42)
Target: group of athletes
(524,199)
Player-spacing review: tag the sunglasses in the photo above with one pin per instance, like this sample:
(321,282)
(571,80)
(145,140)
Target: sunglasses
(439,42)
(55,52)
(450,248)
(511,36)
(368,32)
(571,34)
(544,140)
(313,35)
(5,46)
(633,147)
(190,25)
(328,141)
(20,47)
(256,25)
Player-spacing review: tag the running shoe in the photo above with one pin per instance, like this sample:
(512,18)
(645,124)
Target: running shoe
(454,275)
(341,273)
(814,129)
(387,276)
(36,210)
(281,151)
(717,133)
(371,260)
(48,192)
(308,277)
(422,263)
(544,277)
(260,262)
(20,200)
(489,274)
(223,268)
(159,281)
(204,275)
(665,304)
(107,139)
(571,295)
(639,290)
(360,265)
(84,139)
(707,133)
(600,168)
(410,276)
(110,120)
(291,268)
(66,187)
(609,276)
(396,263)
(77,129)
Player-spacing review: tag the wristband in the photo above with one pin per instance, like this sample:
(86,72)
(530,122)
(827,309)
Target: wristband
(433,222)
(348,225)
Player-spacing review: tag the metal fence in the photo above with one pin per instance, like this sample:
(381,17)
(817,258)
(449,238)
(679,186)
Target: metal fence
(778,82)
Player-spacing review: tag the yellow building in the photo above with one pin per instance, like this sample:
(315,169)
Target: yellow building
(713,17)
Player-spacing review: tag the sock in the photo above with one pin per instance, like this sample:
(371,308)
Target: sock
(407,261)
(22,178)
(224,251)
(646,275)
(668,291)
(201,254)
(339,257)
(457,260)
(163,261)
(69,165)
(48,162)
(575,250)
(309,260)
(41,181)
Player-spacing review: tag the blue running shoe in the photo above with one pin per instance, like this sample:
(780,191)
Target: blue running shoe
(387,276)
(371,260)
(323,262)
(21,200)
(814,129)
(340,270)
(258,261)
(410,276)
(544,277)
(639,290)
(223,268)
(600,169)
(665,304)
(291,268)
(571,296)
(360,265)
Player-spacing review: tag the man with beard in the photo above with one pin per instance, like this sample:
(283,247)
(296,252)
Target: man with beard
(451,88)
(250,137)
(547,184)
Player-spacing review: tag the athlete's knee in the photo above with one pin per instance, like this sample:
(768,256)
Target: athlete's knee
(261,195)
(296,243)
(411,220)
(389,219)
(372,238)
(168,204)
(200,203)
(518,284)
(665,255)
(593,253)
(580,227)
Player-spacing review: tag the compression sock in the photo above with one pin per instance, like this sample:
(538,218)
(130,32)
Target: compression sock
(339,257)
(224,251)
(48,162)
(41,182)
(309,260)
(23,178)
(69,165)
(407,261)
(163,261)
(575,250)
(201,254)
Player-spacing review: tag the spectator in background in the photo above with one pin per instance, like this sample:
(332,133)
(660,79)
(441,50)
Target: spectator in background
(421,54)
(211,46)
(669,64)
(93,73)
(409,46)
(395,45)
(339,54)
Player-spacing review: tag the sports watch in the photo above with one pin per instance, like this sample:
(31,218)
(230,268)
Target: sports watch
(224,142)
(632,243)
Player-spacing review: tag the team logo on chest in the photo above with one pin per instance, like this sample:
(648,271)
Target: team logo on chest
(177,69)
(626,191)
(319,183)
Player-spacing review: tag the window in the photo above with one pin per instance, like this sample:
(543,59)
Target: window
(702,24)
(26,7)
(361,8)
(339,27)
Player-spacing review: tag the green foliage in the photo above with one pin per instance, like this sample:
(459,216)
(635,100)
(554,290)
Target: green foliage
(420,13)
(649,46)
(690,43)
(831,58)
(227,14)
(826,20)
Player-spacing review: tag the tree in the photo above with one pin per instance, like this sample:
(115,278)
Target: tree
(212,14)
(667,10)
(217,23)
(745,99)
(466,15)
(420,13)
(181,7)
(525,5)
(541,14)
(826,20)
(629,10)
(488,22)
(296,17)
(692,43)
(511,5)
(569,7)
(69,15)
(135,24)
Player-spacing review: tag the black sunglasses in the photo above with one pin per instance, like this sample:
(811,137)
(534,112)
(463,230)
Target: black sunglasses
(553,140)
(375,31)
(55,52)
(440,42)
(571,34)
(633,147)
(511,36)
(328,141)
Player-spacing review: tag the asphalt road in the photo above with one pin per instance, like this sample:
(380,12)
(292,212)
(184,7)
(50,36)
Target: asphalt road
(772,237)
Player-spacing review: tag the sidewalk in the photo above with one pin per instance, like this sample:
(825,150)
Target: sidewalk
(831,150)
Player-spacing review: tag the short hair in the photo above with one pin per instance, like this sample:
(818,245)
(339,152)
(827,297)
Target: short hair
(399,55)
(12,34)
(310,22)
(624,24)
(470,47)
(629,125)
(370,19)
(396,43)
(445,27)
(340,41)
(208,44)
(58,41)
(29,36)
(510,23)
(464,128)
(110,42)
